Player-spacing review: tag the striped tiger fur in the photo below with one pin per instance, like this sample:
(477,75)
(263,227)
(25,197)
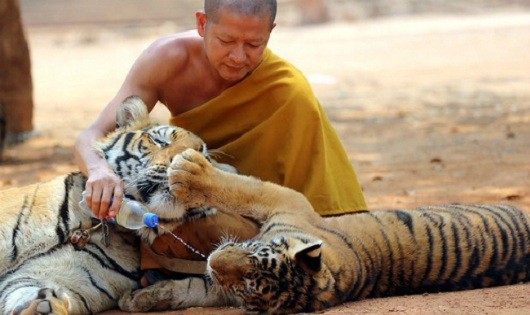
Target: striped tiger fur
(301,262)
(41,271)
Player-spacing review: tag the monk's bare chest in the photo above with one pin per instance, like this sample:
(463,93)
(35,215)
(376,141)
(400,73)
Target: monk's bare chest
(181,95)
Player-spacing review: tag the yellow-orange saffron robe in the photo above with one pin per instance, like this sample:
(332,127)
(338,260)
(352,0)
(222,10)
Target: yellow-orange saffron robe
(271,126)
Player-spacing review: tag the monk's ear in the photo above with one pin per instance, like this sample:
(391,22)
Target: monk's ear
(200,18)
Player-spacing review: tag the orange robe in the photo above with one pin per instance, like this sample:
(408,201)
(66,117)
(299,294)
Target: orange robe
(271,126)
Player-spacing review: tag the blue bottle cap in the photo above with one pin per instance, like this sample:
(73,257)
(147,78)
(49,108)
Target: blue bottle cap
(150,220)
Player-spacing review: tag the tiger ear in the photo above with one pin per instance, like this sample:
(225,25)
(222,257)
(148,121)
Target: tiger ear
(132,111)
(309,255)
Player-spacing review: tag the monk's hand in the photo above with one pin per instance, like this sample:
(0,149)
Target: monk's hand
(104,192)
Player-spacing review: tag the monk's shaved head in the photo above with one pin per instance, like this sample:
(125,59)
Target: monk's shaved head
(261,8)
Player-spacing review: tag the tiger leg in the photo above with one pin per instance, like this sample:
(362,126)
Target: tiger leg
(171,295)
(195,182)
(47,302)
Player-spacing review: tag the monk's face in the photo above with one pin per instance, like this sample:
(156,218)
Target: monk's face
(234,45)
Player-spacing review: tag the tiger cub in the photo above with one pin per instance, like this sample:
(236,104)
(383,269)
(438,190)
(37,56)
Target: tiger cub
(41,271)
(301,262)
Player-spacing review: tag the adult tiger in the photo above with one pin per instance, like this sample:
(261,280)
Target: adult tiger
(301,262)
(41,271)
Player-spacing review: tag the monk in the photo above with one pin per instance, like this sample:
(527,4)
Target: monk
(223,83)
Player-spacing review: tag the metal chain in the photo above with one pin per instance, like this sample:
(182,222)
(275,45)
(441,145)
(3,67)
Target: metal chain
(191,248)
(106,235)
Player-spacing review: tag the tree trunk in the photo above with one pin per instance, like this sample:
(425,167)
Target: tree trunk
(16,88)
(2,131)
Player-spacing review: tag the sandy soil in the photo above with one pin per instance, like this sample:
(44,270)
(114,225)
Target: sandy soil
(431,109)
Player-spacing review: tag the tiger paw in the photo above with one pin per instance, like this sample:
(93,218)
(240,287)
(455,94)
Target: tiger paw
(191,178)
(200,212)
(151,298)
(171,295)
(135,301)
(47,302)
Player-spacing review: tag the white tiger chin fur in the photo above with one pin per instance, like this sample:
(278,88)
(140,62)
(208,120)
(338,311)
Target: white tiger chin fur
(37,221)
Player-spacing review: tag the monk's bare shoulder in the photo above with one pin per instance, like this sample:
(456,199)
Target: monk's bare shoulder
(171,53)
(177,72)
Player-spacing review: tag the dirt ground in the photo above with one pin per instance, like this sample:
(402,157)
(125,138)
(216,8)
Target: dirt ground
(431,109)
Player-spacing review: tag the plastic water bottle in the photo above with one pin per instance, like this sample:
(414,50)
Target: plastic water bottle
(132,214)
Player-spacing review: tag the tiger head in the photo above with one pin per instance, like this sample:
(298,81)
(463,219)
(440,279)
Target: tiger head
(283,275)
(139,151)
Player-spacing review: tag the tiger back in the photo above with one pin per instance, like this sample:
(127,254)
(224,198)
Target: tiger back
(438,248)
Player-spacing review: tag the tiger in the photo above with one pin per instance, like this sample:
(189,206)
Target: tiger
(42,270)
(301,262)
